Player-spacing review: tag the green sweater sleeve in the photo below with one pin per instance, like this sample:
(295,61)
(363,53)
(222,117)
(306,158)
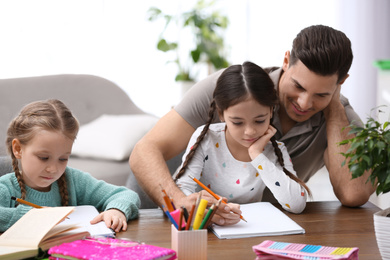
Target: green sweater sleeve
(86,190)
(9,214)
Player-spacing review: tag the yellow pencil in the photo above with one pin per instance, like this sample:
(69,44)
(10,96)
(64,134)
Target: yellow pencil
(26,203)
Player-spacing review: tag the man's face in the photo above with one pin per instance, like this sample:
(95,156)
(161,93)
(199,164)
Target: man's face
(302,93)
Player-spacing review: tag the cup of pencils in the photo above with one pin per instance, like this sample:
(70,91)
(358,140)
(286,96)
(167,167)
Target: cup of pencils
(189,228)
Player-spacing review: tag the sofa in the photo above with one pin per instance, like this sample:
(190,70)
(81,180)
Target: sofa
(110,123)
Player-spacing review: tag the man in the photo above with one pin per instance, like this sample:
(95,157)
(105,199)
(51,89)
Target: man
(309,120)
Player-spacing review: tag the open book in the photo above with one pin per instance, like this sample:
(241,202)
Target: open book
(47,227)
(263,219)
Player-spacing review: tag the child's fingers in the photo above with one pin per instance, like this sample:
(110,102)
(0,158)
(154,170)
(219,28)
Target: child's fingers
(97,219)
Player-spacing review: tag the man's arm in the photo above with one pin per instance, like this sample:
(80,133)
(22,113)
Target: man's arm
(148,159)
(350,192)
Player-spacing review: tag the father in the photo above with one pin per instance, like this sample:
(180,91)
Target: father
(309,120)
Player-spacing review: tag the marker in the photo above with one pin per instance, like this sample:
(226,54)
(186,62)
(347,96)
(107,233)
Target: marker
(199,214)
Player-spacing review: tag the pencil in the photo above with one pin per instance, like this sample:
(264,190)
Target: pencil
(26,202)
(209,191)
(206,218)
(170,217)
(213,213)
(190,217)
(181,217)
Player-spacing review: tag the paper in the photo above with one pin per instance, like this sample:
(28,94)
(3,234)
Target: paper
(81,216)
(263,219)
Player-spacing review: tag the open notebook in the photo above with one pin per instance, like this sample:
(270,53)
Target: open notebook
(42,228)
(263,219)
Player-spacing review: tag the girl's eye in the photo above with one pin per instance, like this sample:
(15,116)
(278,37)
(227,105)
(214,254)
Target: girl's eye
(237,123)
(260,122)
(64,159)
(43,158)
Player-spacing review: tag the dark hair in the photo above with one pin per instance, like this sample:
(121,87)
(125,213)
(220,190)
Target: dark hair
(51,115)
(236,84)
(323,50)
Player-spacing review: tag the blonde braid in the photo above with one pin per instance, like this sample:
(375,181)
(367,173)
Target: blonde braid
(62,184)
(18,175)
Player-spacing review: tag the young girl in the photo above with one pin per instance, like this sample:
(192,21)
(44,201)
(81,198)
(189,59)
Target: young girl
(239,157)
(40,141)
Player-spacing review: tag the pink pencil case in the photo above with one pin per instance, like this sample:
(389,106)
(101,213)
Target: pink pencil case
(270,250)
(109,249)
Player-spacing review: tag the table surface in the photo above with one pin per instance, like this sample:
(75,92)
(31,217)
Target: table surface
(326,223)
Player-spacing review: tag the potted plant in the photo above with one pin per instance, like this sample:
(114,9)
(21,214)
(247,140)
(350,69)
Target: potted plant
(207,46)
(370,151)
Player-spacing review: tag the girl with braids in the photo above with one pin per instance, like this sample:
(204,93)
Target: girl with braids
(239,157)
(40,141)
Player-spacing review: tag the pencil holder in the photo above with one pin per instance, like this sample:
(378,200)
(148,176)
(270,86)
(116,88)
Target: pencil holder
(189,244)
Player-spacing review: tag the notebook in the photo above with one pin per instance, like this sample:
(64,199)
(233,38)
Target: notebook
(280,250)
(263,219)
(110,248)
(42,228)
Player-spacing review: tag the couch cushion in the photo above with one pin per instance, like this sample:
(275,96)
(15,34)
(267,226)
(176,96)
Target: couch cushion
(112,137)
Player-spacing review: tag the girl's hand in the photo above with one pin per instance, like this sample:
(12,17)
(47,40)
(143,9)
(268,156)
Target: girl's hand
(114,219)
(258,146)
(227,214)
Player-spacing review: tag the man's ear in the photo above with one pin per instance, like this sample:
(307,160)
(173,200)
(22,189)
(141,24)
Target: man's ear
(341,82)
(286,60)
(17,148)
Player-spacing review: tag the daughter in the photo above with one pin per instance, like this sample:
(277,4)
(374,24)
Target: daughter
(40,141)
(239,157)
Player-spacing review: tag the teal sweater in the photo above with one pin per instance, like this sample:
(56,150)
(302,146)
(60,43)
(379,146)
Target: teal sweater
(83,190)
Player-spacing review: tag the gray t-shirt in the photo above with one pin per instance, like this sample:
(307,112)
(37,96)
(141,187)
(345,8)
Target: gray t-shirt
(306,141)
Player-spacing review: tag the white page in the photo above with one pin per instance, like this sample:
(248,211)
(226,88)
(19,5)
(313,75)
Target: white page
(82,215)
(263,219)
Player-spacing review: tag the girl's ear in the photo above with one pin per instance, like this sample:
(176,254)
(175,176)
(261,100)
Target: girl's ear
(220,114)
(17,148)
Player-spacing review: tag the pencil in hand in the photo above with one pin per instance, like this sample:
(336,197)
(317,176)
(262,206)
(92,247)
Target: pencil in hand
(26,203)
(209,191)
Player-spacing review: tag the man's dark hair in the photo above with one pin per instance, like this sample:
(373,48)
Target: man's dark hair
(323,50)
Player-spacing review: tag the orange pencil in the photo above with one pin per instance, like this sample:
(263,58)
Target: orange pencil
(26,203)
(190,217)
(209,191)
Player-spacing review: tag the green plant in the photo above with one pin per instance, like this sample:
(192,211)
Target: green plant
(370,150)
(206,26)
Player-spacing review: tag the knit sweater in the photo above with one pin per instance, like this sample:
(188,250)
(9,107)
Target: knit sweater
(83,189)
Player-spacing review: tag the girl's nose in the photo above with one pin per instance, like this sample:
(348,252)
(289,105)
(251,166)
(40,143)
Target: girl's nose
(249,130)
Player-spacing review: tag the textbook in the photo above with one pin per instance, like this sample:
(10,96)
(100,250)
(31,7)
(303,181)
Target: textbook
(47,227)
(263,219)
(110,248)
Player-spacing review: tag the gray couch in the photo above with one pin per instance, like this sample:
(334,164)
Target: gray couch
(88,97)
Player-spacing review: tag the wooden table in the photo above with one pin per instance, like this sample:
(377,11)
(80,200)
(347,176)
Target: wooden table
(326,223)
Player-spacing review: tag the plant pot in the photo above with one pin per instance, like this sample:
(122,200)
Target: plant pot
(382,232)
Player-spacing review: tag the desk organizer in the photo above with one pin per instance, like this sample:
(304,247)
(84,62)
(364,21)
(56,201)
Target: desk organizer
(189,244)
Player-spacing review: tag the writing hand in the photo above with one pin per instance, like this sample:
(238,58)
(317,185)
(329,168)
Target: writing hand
(114,219)
(258,146)
(227,214)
